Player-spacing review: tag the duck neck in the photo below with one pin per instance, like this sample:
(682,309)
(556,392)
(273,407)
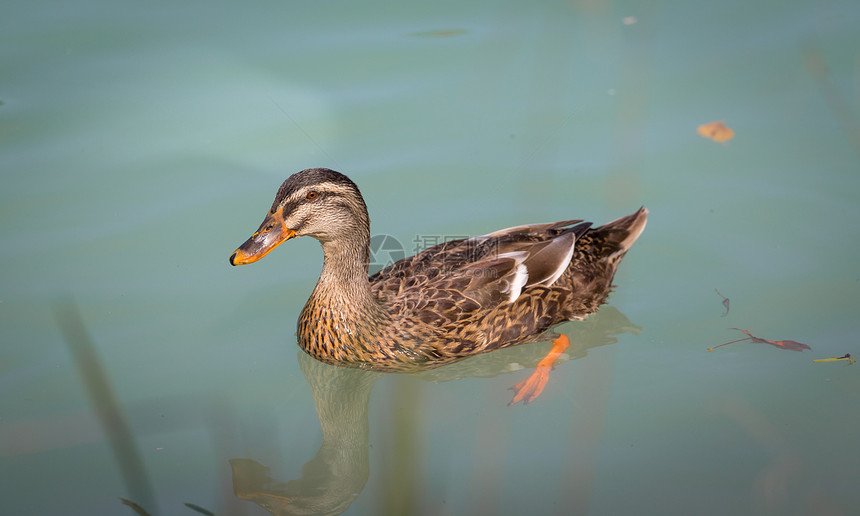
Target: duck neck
(342,320)
(345,266)
(343,285)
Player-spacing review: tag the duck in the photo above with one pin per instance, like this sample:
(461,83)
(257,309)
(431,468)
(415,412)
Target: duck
(448,302)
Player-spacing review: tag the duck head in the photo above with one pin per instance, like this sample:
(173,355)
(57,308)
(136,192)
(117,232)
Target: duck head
(316,202)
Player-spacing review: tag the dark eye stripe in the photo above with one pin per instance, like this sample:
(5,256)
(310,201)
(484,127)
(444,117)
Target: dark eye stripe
(290,206)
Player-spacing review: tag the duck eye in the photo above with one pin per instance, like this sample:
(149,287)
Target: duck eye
(312,195)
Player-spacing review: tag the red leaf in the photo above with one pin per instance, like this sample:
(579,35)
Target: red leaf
(792,345)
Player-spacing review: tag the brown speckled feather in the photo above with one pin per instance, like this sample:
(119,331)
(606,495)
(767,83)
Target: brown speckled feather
(459,288)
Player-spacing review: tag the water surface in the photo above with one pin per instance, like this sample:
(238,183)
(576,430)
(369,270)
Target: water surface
(141,144)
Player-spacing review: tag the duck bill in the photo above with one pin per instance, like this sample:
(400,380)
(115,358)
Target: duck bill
(271,234)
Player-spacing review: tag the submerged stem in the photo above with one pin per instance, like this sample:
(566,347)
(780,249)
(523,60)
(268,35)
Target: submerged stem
(727,343)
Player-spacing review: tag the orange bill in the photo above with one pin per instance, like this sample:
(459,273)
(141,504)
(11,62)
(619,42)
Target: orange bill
(271,234)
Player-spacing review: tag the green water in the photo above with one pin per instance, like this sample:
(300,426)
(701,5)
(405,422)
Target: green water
(140,144)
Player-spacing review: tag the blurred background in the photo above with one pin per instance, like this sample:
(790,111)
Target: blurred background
(140,144)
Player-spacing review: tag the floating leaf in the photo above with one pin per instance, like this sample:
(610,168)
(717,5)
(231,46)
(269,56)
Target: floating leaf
(725,302)
(844,358)
(792,345)
(443,33)
(136,508)
(199,509)
(716,131)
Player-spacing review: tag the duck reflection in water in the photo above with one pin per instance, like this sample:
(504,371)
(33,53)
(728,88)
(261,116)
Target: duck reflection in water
(338,472)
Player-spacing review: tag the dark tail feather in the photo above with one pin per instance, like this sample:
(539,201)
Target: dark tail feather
(579,229)
(617,236)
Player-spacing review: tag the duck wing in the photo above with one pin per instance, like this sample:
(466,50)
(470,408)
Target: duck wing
(463,276)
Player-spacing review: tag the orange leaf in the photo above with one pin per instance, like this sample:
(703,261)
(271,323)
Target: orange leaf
(716,131)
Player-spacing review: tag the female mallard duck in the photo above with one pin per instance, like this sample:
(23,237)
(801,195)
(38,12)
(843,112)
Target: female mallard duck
(448,302)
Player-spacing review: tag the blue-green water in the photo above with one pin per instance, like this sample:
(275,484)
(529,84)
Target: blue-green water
(140,144)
